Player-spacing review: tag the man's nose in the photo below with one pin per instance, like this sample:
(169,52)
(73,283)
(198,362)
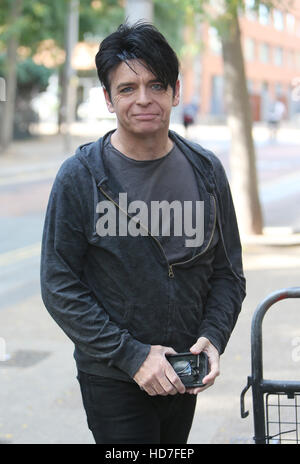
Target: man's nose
(143,97)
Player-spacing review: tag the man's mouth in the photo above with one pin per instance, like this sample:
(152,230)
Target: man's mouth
(145,116)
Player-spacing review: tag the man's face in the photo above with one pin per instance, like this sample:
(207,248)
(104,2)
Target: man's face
(141,103)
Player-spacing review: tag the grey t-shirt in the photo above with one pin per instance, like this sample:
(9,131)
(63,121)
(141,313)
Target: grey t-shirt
(172,209)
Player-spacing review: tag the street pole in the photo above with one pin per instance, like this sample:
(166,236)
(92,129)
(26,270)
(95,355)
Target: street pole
(139,10)
(69,86)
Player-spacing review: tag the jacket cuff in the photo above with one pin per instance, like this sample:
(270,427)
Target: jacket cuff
(131,356)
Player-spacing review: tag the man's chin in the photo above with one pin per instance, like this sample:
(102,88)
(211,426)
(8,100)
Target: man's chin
(147,128)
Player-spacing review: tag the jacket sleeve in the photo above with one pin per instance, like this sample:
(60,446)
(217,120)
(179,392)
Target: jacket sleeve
(227,283)
(67,298)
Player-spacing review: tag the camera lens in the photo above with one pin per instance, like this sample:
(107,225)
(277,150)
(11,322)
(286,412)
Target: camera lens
(182,367)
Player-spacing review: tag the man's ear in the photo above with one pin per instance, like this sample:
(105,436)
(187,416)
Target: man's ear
(176,97)
(109,104)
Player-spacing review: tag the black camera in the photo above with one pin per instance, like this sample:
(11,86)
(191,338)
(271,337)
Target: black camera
(191,368)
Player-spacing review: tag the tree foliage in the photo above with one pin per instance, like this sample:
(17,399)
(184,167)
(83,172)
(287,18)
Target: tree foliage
(30,75)
(100,18)
(171,21)
(44,19)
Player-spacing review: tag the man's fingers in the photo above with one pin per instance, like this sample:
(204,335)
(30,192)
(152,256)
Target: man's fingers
(174,379)
(169,381)
(211,377)
(150,390)
(169,387)
(169,350)
(165,383)
(195,391)
(203,344)
(160,386)
(156,375)
(199,345)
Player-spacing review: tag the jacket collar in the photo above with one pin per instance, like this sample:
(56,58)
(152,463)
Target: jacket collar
(90,154)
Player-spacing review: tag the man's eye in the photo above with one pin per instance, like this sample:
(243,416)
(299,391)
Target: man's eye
(126,90)
(157,87)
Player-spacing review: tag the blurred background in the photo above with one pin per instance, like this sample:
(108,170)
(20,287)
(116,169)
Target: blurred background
(240,97)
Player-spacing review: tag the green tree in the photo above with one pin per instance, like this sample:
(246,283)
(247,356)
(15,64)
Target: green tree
(30,80)
(28,23)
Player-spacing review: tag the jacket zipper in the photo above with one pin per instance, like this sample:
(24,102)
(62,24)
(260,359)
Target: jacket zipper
(205,249)
(170,266)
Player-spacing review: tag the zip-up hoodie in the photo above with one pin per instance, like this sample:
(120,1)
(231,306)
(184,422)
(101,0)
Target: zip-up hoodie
(115,296)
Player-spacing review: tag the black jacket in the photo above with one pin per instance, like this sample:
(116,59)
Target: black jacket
(116,296)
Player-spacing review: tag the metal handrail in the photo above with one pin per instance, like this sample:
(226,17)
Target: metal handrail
(256,381)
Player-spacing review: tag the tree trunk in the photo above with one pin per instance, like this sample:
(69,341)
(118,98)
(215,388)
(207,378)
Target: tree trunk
(68,89)
(7,116)
(242,153)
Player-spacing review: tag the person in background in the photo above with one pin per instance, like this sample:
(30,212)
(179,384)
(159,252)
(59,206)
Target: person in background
(276,114)
(189,115)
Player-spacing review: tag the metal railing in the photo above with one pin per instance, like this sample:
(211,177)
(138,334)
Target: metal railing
(271,398)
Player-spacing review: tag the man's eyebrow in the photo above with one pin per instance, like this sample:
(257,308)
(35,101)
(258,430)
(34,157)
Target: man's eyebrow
(124,84)
(127,84)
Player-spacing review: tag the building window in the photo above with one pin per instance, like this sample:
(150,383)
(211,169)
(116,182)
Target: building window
(249,49)
(290,23)
(214,41)
(278,20)
(264,15)
(278,56)
(264,53)
(249,9)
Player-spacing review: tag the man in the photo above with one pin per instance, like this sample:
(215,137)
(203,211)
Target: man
(124,270)
(275,116)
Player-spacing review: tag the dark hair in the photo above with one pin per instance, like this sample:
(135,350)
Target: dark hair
(140,41)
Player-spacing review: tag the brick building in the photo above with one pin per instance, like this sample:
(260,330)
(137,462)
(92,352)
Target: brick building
(271,45)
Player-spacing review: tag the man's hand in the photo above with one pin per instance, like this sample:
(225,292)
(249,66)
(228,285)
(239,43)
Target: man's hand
(156,375)
(203,344)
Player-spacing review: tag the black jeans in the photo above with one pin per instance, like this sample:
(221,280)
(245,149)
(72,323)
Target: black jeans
(120,412)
